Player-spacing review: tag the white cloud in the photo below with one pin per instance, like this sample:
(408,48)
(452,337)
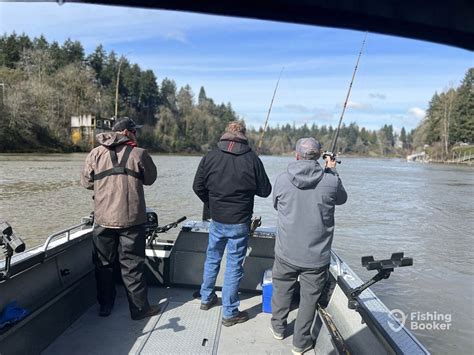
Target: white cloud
(417,113)
(377,95)
(297,108)
(109,25)
(176,35)
(358,106)
(303,109)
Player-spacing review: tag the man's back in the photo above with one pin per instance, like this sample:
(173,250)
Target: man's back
(118,198)
(116,171)
(227,180)
(305,197)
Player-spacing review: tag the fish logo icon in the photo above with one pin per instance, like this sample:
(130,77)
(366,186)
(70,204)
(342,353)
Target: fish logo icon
(396,319)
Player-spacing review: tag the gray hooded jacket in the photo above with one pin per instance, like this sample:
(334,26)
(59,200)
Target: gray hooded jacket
(305,197)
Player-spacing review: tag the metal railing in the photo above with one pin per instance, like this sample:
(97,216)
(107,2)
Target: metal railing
(66,232)
(337,263)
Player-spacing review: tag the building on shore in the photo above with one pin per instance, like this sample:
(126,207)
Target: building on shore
(85,127)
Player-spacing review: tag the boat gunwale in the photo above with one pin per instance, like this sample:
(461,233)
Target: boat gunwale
(366,309)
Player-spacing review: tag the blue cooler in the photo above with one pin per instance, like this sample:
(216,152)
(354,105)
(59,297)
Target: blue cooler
(267,289)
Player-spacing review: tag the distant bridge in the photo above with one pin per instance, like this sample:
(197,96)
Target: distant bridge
(418,156)
(425,158)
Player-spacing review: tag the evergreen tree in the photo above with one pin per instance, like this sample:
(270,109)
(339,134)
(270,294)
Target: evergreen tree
(57,55)
(12,48)
(73,51)
(168,94)
(202,98)
(352,135)
(149,97)
(41,43)
(463,125)
(97,60)
(403,138)
(434,115)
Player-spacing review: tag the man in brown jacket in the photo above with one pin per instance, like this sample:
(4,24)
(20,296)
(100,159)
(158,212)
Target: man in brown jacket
(117,170)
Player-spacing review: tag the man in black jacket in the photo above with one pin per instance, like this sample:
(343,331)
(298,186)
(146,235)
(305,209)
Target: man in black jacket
(227,180)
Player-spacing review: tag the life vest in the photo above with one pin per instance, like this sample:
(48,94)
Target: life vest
(119,168)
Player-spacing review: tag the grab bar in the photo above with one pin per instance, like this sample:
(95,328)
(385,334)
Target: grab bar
(338,263)
(66,231)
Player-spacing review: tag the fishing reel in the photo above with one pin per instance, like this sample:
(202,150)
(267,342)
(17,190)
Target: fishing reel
(331,155)
(151,222)
(254,224)
(152,229)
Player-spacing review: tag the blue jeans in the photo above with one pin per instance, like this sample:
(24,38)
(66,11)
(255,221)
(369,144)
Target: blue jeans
(235,236)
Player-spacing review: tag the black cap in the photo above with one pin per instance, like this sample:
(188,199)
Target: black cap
(125,123)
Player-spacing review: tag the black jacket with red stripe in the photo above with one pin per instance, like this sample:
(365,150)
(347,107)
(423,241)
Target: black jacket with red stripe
(228,178)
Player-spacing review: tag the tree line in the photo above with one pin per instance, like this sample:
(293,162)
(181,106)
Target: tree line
(44,84)
(449,119)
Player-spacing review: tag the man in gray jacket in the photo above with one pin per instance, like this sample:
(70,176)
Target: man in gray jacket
(117,170)
(305,197)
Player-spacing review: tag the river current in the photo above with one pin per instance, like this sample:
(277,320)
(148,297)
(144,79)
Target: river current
(427,211)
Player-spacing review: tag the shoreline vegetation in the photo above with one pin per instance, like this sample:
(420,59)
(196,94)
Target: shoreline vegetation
(288,154)
(45,84)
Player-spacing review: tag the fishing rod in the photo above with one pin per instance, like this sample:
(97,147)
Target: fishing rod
(260,141)
(257,221)
(332,152)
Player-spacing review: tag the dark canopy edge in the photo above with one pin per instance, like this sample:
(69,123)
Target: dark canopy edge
(446,22)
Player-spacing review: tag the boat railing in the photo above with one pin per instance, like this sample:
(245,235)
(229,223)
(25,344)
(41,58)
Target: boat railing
(337,266)
(65,232)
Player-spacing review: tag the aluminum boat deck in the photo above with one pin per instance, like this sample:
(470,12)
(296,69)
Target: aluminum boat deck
(180,328)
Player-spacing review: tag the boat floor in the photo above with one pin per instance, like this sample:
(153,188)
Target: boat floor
(181,327)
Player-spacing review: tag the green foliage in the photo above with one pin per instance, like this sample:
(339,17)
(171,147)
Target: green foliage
(449,120)
(184,126)
(403,138)
(352,139)
(47,83)
(463,110)
(11,48)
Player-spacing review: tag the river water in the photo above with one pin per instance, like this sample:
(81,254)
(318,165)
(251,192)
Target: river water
(424,210)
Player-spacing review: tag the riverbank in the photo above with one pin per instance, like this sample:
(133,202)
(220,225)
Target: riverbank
(73,149)
(451,162)
(50,150)
(41,150)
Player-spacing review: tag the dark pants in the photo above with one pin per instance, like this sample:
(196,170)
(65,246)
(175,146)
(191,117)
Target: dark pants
(312,281)
(129,245)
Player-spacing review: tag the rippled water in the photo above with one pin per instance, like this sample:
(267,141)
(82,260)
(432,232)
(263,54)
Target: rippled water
(424,210)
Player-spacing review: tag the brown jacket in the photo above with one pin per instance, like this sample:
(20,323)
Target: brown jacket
(119,199)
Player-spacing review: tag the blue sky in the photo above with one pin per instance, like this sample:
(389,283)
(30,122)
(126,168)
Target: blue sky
(239,60)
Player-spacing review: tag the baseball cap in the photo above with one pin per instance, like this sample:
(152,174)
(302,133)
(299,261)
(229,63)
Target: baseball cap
(308,148)
(125,123)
